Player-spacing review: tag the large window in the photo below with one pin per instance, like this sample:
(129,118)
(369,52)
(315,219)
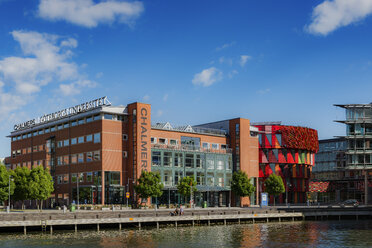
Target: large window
(190,142)
(89,138)
(89,156)
(178,159)
(200,178)
(96,156)
(199,161)
(97,138)
(156,158)
(167,159)
(81,157)
(74,158)
(210,164)
(189,160)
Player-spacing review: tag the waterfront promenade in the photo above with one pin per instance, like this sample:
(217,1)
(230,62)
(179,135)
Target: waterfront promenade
(49,220)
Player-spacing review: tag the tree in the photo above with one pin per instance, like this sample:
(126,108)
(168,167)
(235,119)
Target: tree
(22,179)
(4,183)
(241,184)
(186,185)
(149,185)
(274,185)
(41,184)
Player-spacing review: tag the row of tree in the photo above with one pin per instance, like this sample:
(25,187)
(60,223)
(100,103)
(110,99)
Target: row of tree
(25,184)
(150,185)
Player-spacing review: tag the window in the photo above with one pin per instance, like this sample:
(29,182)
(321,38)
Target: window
(89,138)
(97,138)
(205,145)
(221,181)
(19,152)
(89,176)
(107,117)
(210,179)
(34,149)
(168,178)
(215,146)
(220,165)
(47,130)
(24,151)
(59,143)
(35,133)
(189,160)
(53,129)
(66,125)
(81,122)
(81,139)
(73,178)
(156,158)
(24,136)
(59,127)
(73,123)
(73,141)
(89,156)
(177,176)
(199,161)
(210,164)
(59,160)
(89,119)
(74,158)
(59,179)
(200,178)
(223,146)
(65,178)
(41,148)
(173,142)
(41,131)
(167,159)
(66,142)
(97,117)
(162,141)
(81,158)
(29,135)
(125,154)
(178,157)
(29,150)
(96,156)
(65,160)
(125,137)
(153,140)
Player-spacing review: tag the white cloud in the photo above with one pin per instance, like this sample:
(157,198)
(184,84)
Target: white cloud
(244,59)
(331,15)
(45,59)
(223,60)
(207,77)
(76,87)
(159,113)
(264,91)
(89,14)
(225,46)
(146,98)
(232,73)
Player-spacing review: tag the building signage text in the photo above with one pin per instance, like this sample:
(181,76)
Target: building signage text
(64,113)
(144,131)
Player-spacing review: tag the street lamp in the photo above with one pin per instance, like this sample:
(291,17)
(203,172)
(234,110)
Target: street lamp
(10,178)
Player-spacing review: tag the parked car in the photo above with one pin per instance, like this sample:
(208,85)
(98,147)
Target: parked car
(350,202)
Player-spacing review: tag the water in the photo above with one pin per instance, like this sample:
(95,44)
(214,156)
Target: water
(295,234)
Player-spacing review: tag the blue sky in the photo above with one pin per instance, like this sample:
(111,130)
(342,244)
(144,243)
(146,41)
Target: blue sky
(194,61)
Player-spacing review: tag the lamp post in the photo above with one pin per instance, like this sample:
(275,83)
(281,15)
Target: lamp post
(10,178)
(129,179)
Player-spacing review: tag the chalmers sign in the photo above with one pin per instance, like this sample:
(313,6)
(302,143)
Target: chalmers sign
(64,113)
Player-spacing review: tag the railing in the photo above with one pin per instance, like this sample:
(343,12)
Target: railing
(191,148)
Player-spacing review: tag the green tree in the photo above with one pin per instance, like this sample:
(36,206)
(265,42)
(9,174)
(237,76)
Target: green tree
(186,185)
(149,185)
(241,185)
(22,180)
(4,183)
(274,185)
(41,184)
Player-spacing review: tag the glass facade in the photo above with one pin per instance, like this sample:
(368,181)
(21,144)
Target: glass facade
(211,171)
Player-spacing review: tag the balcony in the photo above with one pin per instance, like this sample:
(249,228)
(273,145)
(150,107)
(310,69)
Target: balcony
(190,148)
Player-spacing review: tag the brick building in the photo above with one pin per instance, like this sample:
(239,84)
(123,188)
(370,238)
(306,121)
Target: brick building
(100,150)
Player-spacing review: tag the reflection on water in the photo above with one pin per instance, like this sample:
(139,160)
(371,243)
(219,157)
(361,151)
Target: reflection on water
(296,234)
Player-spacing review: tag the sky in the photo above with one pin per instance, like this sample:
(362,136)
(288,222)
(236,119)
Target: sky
(193,61)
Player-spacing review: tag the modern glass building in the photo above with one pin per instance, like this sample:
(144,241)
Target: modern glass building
(358,121)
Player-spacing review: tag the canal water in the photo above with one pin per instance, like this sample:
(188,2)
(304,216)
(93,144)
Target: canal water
(290,234)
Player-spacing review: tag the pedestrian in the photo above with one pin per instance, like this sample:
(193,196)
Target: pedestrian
(181,210)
